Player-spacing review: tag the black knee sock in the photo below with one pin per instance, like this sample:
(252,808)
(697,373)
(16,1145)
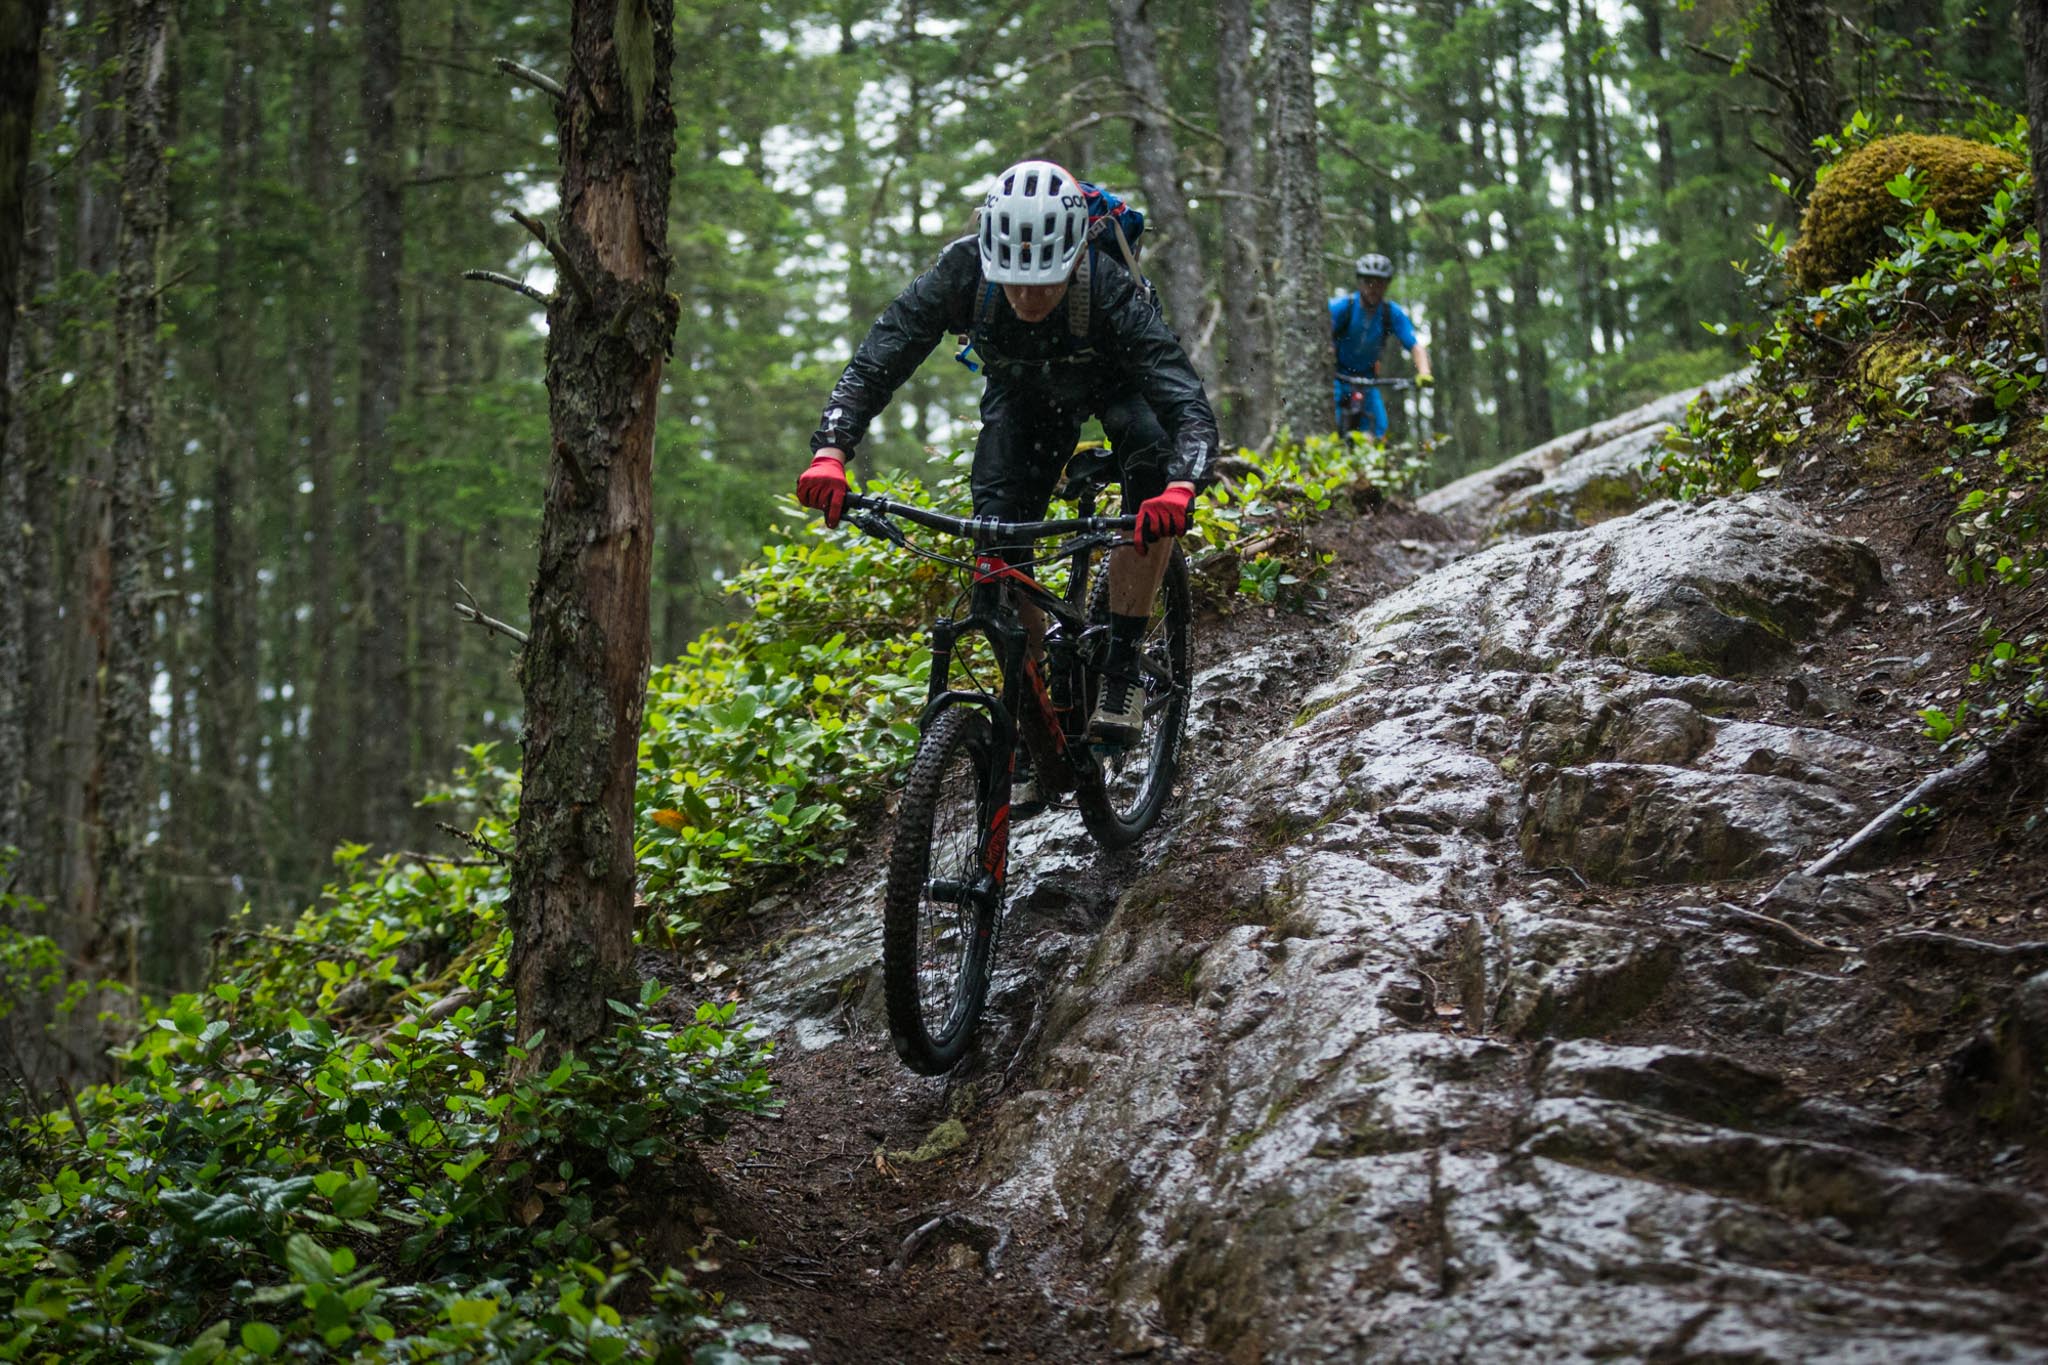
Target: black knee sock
(1125,635)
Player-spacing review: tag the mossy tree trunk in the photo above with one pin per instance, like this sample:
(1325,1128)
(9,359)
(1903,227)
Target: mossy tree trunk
(1246,375)
(21,29)
(1302,353)
(584,670)
(123,765)
(2034,38)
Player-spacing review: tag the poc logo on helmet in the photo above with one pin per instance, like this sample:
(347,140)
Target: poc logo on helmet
(1073,201)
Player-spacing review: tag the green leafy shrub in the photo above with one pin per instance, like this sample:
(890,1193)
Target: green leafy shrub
(318,1157)
(1930,359)
(763,743)
(1842,230)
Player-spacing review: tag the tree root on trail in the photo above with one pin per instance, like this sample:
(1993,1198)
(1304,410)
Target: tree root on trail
(1759,925)
(991,1239)
(2001,756)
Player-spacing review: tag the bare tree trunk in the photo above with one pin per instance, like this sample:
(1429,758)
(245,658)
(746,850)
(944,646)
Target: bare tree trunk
(84,571)
(1532,361)
(2034,41)
(1578,122)
(228,698)
(384,723)
(1176,264)
(1804,29)
(436,347)
(324,708)
(131,654)
(33,458)
(1245,371)
(584,671)
(1607,224)
(21,38)
(1302,354)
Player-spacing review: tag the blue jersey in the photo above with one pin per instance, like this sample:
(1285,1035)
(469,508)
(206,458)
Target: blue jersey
(1361,334)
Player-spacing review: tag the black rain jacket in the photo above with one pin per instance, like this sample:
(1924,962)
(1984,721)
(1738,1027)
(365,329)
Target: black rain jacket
(1128,346)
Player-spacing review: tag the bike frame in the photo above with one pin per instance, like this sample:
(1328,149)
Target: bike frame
(1366,381)
(993,612)
(1025,704)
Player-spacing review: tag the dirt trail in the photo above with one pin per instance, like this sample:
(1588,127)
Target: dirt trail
(834,1221)
(1458,1021)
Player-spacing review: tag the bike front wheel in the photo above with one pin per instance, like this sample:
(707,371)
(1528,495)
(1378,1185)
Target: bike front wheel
(945,889)
(1129,788)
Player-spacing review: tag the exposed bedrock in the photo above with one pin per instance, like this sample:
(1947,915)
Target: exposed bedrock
(1368,1056)
(1331,1082)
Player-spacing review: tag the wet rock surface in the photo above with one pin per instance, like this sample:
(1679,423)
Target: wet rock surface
(1576,480)
(1448,1018)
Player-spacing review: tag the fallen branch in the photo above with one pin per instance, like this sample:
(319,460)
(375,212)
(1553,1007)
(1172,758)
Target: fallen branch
(433,1014)
(507,282)
(444,860)
(545,235)
(477,842)
(917,1239)
(470,611)
(526,75)
(1760,925)
(1885,826)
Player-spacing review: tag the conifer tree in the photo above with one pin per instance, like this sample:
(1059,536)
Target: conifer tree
(584,669)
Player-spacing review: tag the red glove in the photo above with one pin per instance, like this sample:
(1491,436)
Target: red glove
(823,486)
(1164,516)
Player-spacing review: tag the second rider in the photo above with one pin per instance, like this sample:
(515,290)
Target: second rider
(1053,356)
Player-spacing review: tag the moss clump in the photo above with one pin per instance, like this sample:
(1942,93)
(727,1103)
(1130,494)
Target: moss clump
(1676,665)
(1888,360)
(1607,497)
(949,1137)
(1842,230)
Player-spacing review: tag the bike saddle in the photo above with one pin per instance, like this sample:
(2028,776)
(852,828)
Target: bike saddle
(1091,470)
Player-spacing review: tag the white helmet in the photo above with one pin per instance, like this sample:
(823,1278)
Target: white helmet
(1373,266)
(1034,225)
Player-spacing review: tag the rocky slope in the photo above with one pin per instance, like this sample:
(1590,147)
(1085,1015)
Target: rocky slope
(1450,1018)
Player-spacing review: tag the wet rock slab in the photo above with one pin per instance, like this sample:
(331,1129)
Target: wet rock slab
(1577,479)
(1369,1109)
(1726,589)
(1332,1070)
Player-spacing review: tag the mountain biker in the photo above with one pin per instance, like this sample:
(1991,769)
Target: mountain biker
(1054,354)
(1360,323)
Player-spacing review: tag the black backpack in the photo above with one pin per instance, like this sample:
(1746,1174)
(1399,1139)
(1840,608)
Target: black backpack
(1342,327)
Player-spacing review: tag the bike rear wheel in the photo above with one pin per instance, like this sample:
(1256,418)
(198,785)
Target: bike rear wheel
(1128,790)
(946,867)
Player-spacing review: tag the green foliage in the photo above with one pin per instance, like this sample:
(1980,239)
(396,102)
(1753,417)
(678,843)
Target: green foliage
(1887,183)
(765,740)
(1929,360)
(318,1158)
(762,742)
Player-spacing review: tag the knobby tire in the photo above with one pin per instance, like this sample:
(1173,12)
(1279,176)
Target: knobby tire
(1119,801)
(934,1003)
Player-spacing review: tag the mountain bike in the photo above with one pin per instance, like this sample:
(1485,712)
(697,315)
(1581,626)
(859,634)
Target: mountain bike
(1351,410)
(949,859)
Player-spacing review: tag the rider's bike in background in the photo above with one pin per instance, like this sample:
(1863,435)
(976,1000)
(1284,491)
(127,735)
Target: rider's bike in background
(1352,410)
(949,860)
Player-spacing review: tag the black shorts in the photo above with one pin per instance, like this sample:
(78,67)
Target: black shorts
(1027,438)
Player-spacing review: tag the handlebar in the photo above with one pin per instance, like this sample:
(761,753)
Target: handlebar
(988,529)
(1366,381)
